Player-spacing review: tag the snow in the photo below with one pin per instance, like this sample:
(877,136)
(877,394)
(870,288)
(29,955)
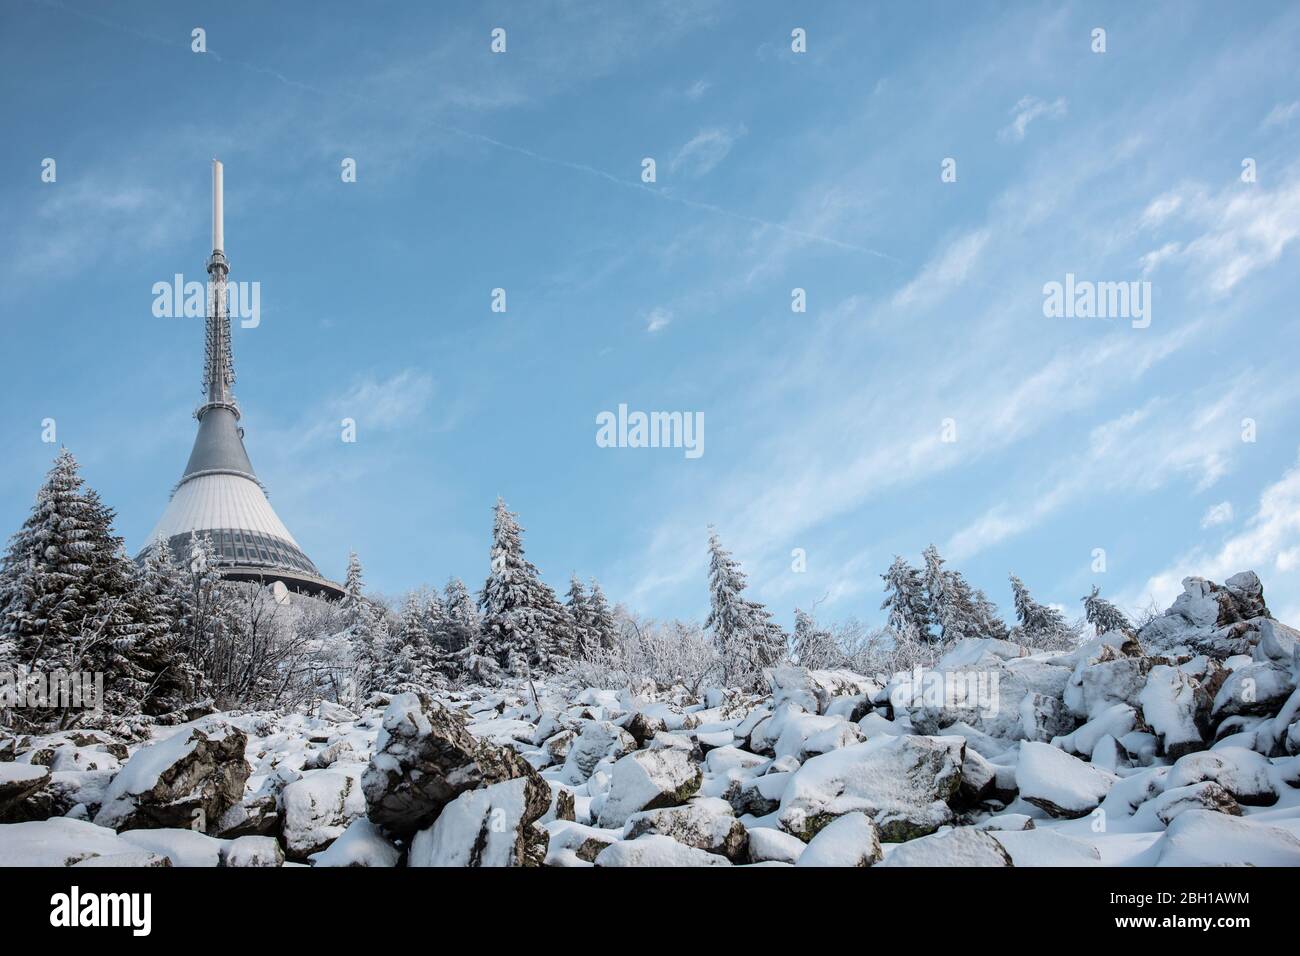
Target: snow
(960,847)
(21,773)
(183,848)
(850,840)
(1206,838)
(362,844)
(769,844)
(1059,783)
(656,850)
(646,778)
(1040,847)
(57,842)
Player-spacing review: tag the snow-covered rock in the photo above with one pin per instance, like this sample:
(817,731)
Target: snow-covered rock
(902,783)
(1040,847)
(767,844)
(1062,785)
(493,826)
(599,740)
(1206,795)
(196,774)
(1258,689)
(1207,838)
(1242,773)
(648,780)
(706,823)
(959,847)
(18,781)
(1173,705)
(424,758)
(59,841)
(852,839)
(317,809)
(362,844)
(656,850)
(253,851)
(182,848)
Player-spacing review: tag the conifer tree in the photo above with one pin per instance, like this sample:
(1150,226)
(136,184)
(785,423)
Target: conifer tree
(905,600)
(1040,625)
(1103,615)
(461,625)
(576,603)
(524,625)
(744,634)
(600,618)
(814,647)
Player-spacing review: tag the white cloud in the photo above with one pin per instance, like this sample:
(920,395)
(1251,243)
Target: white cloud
(1217,515)
(1026,111)
(704,151)
(1244,228)
(945,271)
(658,319)
(698,89)
(1269,546)
(1282,114)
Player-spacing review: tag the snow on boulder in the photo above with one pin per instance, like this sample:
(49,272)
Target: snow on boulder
(804,734)
(253,852)
(902,783)
(599,740)
(705,823)
(768,845)
(18,781)
(1206,795)
(194,775)
(1037,847)
(492,827)
(1109,678)
(424,758)
(1172,705)
(317,809)
(1243,773)
(182,848)
(1113,722)
(814,690)
(1062,785)
(849,840)
(960,847)
(58,841)
(1207,618)
(1258,689)
(1207,838)
(648,780)
(575,844)
(656,850)
(362,844)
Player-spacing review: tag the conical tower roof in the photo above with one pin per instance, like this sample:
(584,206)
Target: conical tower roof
(219,495)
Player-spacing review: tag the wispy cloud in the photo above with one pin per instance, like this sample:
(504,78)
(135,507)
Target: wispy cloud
(658,319)
(700,155)
(1029,109)
(1218,514)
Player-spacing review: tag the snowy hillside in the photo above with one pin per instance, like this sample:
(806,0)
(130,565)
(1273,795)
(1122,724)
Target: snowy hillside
(1177,745)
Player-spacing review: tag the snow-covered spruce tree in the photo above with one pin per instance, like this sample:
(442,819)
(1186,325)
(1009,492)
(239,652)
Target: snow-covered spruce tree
(906,600)
(1040,625)
(814,647)
(600,618)
(525,627)
(354,588)
(1103,615)
(461,625)
(69,596)
(164,605)
(743,631)
(959,610)
(579,617)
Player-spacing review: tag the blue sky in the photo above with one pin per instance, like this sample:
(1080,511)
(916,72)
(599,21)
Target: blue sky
(776,170)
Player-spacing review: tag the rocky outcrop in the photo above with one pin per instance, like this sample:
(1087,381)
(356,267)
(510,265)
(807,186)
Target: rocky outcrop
(492,826)
(424,759)
(186,781)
